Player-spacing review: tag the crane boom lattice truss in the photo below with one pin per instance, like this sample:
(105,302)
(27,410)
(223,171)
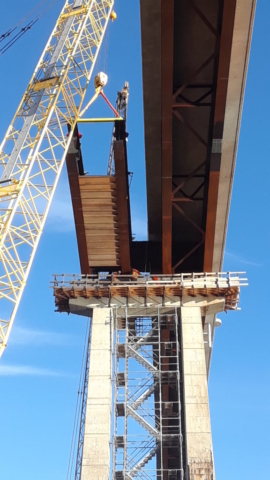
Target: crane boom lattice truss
(33,151)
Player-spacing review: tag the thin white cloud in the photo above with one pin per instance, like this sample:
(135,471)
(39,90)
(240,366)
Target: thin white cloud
(25,336)
(27,370)
(240,259)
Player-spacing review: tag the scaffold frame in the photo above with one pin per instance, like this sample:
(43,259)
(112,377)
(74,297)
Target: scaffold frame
(144,364)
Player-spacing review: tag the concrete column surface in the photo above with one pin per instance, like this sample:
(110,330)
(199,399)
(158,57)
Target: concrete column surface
(97,436)
(198,426)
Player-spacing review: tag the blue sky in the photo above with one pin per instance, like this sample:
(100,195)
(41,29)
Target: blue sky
(39,371)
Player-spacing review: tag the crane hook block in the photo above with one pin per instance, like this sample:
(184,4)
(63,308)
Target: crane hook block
(101,79)
(113,16)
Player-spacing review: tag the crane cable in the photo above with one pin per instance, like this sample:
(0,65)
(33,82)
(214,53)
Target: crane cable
(106,49)
(29,25)
(17,37)
(102,61)
(26,28)
(23,19)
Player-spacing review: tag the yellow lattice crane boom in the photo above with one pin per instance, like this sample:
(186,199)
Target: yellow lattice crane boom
(33,151)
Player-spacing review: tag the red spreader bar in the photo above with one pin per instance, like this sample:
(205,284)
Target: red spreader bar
(109,103)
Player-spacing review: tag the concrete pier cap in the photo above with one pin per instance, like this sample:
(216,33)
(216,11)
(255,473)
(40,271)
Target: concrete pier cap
(213,292)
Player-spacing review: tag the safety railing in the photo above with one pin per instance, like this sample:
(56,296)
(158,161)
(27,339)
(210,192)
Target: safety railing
(206,280)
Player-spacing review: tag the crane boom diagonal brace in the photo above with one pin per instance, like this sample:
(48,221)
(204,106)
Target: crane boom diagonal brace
(33,151)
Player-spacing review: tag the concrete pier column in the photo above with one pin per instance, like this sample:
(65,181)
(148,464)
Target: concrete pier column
(97,437)
(198,426)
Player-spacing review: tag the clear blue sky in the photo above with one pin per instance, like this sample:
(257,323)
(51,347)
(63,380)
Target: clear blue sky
(40,368)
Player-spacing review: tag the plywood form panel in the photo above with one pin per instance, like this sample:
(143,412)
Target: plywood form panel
(97,220)
(99,210)
(100,207)
(103,257)
(98,188)
(97,180)
(96,194)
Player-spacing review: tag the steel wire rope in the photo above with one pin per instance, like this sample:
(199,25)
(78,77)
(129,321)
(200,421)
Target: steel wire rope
(19,22)
(17,37)
(79,400)
(106,49)
(27,27)
(101,57)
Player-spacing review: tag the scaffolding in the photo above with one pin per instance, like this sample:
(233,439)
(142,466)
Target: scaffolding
(145,424)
